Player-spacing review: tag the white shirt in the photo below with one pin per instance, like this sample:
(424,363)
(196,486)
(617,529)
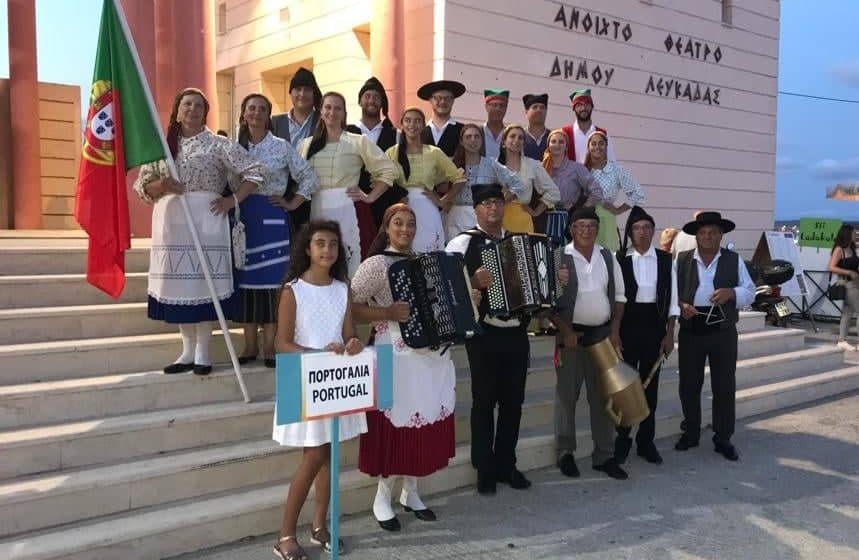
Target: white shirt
(592,305)
(459,244)
(372,133)
(436,131)
(493,143)
(645,270)
(581,141)
(745,290)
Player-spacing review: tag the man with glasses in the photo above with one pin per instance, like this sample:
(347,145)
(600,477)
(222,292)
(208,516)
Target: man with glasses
(442,130)
(712,283)
(647,327)
(592,304)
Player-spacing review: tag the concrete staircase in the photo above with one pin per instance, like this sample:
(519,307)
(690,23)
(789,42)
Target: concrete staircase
(102,456)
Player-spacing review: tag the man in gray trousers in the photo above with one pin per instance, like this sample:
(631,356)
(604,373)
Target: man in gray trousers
(592,306)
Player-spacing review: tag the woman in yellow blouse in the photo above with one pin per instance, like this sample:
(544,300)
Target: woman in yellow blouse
(519,216)
(420,167)
(337,157)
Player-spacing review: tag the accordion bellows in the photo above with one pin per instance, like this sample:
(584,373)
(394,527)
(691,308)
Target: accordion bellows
(438,290)
(524,269)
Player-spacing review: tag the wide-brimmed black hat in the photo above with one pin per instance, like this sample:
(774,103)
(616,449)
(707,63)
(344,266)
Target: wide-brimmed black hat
(709,219)
(427,90)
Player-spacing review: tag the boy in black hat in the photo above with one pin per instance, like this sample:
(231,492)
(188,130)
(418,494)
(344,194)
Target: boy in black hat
(712,284)
(647,327)
(442,130)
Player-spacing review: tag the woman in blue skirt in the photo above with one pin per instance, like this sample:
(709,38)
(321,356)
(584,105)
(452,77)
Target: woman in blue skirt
(267,227)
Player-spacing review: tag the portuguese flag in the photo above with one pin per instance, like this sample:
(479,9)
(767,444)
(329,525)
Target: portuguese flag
(120,134)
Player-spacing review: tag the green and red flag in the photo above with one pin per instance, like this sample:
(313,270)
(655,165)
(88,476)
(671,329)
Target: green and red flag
(121,133)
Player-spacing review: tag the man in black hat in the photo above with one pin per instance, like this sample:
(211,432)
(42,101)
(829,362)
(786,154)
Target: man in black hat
(298,124)
(647,327)
(536,135)
(498,358)
(592,305)
(442,130)
(712,284)
(376,125)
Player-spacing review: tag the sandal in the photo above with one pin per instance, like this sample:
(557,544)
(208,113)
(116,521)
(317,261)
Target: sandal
(322,537)
(295,552)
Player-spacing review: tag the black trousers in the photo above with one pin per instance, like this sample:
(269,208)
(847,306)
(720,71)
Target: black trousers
(641,334)
(499,365)
(719,347)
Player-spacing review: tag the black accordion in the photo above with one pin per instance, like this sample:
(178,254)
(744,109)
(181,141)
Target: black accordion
(438,290)
(524,270)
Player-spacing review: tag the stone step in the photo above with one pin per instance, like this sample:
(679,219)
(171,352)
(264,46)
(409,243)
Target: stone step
(163,531)
(71,495)
(78,444)
(97,397)
(52,290)
(62,258)
(67,359)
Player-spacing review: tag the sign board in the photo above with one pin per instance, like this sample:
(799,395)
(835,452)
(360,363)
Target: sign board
(316,385)
(818,232)
(782,245)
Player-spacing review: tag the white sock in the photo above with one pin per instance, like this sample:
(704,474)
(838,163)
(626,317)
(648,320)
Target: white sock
(382,504)
(409,496)
(188,332)
(204,336)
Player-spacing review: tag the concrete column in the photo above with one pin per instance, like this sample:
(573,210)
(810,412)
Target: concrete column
(387,51)
(24,114)
(165,87)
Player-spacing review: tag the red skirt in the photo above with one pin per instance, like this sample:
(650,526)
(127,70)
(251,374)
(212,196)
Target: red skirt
(366,226)
(390,451)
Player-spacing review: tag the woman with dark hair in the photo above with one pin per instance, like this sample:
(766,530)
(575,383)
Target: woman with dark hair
(420,167)
(416,437)
(479,169)
(177,287)
(519,216)
(337,157)
(266,219)
(845,263)
(612,179)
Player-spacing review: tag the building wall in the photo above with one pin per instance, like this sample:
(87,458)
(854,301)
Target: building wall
(717,154)
(59,152)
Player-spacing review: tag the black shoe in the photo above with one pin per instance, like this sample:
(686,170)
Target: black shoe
(650,454)
(568,467)
(179,367)
(202,370)
(515,479)
(270,363)
(485,484)
(423,514)
(622,445)
(685,443)
(392,524)
(247,359)
(727,450)
(612,469)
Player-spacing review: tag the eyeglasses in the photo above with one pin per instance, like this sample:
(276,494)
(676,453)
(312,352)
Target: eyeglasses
(490,202)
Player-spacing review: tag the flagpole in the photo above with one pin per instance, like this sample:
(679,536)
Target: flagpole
(171,166)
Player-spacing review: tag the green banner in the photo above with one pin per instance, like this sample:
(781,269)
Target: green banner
(818,232)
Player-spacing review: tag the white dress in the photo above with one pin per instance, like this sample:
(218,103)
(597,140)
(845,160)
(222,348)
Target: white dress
(319,313)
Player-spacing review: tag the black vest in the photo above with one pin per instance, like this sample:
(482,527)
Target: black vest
(727,276)
(448,141)
(663,281)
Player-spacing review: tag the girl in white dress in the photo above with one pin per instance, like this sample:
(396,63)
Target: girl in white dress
(314,313)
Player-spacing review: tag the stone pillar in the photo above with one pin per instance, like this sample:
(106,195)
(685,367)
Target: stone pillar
(387,51)
(24,116)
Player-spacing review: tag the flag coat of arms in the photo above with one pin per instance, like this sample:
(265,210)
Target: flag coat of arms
(121,133)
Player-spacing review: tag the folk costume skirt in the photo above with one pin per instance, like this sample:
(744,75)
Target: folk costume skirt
(430,234)
(458,219)
(516,219)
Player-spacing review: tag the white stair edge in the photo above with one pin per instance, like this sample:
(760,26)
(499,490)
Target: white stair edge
(83,311)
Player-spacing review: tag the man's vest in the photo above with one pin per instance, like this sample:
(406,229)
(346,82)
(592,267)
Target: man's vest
(727,276)
(663,282)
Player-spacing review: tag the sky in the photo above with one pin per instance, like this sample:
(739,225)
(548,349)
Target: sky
(819,55)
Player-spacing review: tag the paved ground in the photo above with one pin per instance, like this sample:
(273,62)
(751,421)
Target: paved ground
(794,494)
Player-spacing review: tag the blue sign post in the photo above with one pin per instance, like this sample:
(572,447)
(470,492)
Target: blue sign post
(320,385)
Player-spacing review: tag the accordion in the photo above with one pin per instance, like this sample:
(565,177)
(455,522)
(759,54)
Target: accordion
(438,290)
(524,269)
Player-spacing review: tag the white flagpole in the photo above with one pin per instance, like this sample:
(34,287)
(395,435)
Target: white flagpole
(171,166)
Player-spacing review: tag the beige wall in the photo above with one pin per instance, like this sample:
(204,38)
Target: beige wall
(688,155)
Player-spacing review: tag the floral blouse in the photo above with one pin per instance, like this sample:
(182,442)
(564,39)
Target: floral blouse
(204,163)
(281,160)
(612,178)
(485,172)
(535,178)
(370,284)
